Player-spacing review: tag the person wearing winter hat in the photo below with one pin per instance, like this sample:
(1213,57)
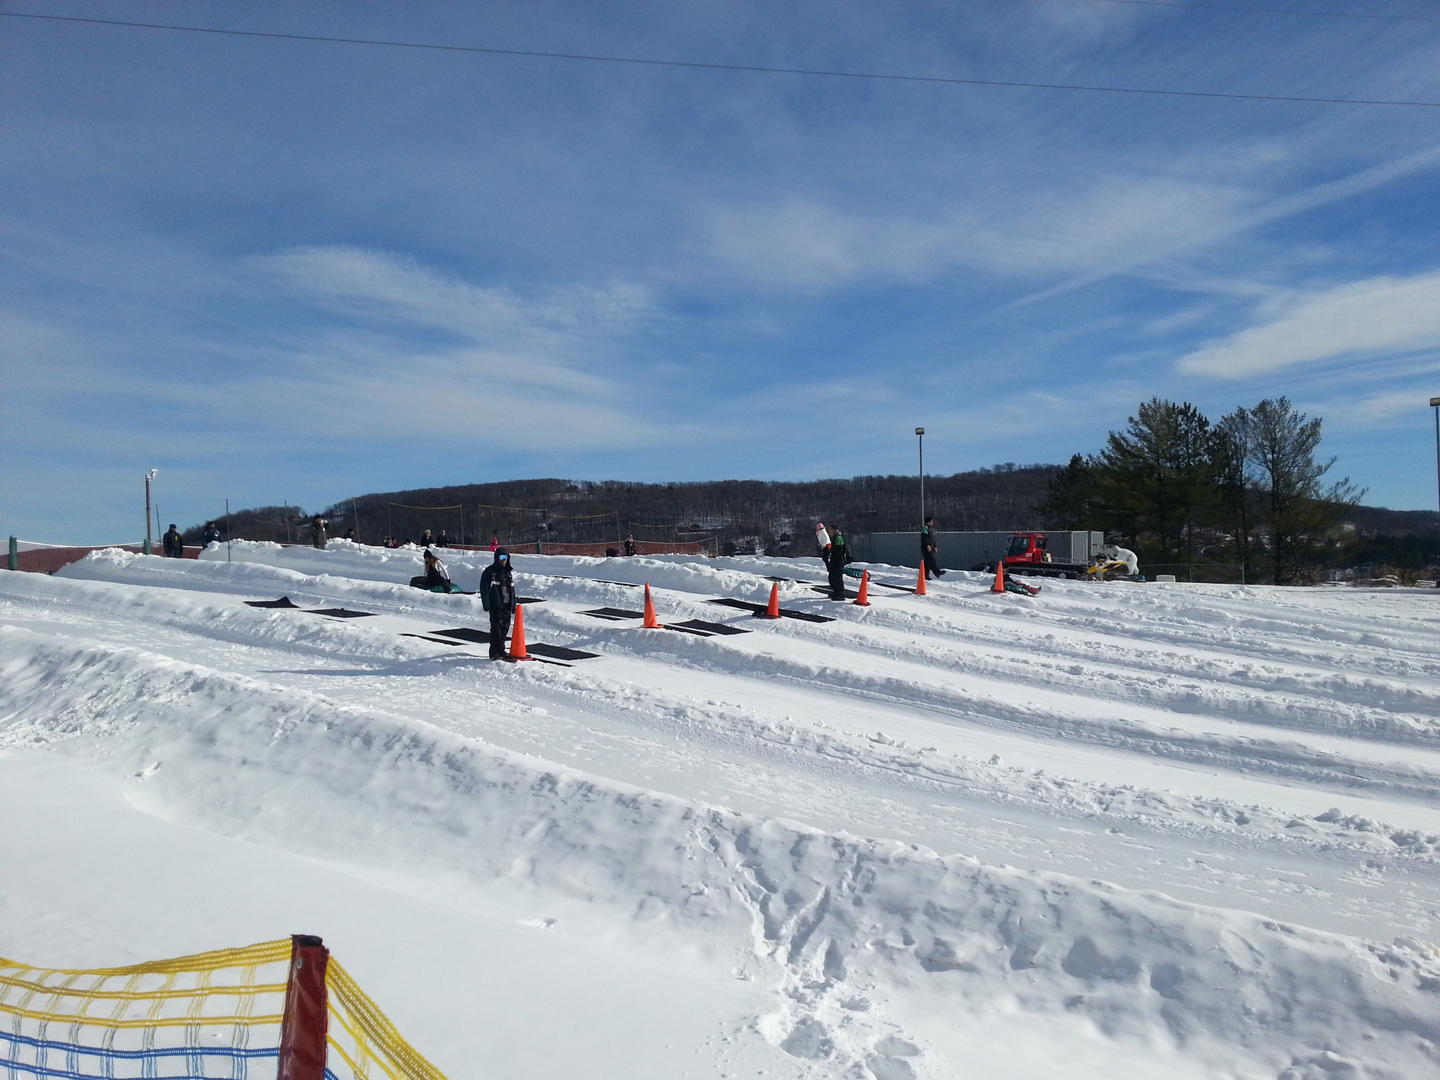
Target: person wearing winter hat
(497,596)
(174,546)
(928,548)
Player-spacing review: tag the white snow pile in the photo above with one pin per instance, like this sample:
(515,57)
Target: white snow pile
(1113,829)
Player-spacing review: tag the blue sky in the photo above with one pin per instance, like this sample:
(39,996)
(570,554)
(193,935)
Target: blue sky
(291,271)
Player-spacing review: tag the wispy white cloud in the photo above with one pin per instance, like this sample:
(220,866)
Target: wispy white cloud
(1377,316)
(386,285)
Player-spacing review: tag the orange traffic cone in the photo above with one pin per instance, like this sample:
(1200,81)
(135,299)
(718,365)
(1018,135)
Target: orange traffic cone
(920,585)
(651,623)
(863,599)
(517,635)
(999,585)
(773,611)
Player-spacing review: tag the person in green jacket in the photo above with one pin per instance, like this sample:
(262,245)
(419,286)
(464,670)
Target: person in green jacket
(839,556)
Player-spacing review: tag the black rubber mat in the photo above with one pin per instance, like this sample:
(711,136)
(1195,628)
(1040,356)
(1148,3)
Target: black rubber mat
(613,613)
(283,602)
(339,613)
(465,633)
(432,640)
(708,627)
(760,609)
(743,605)
(559,652)
(529,599)
(627,584)
(482,637)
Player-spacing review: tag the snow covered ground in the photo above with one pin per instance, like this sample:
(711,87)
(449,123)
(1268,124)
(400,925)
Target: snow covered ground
(1114,830)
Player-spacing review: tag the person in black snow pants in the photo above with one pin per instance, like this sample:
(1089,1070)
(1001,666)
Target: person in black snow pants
(435,576)
(174,547)
(839,556)
(497,596)
(928,548)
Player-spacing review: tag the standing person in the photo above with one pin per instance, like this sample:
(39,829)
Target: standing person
(318,537)
(839,556)
(212,534)
(173,546)
(497,596)
(630,544)
(435,576)
(822,542)
(494,544)
(442,539)
(426,539)
(928,548)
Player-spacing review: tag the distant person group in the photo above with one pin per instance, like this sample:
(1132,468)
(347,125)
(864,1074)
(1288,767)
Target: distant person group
(173,544)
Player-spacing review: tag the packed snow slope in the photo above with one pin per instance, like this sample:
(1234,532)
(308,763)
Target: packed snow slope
(1115,829)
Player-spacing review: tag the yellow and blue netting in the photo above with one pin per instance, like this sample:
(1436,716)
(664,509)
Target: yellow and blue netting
(210,1016)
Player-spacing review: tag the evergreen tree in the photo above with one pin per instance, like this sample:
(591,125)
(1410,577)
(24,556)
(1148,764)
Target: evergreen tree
(1280,445)
(1070,501)
(1156,479)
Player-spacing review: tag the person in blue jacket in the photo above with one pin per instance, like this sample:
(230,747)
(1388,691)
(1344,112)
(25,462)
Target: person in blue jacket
(497,596)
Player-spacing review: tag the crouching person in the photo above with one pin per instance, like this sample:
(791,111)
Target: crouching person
(497,596)
(435,576)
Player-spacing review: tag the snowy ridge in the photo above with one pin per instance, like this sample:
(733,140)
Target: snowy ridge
(812,810)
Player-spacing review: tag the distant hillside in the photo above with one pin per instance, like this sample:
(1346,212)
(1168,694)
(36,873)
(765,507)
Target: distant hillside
(582,511)
(773,514)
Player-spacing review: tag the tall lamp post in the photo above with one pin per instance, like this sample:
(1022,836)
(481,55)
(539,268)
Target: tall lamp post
(149,476)
(1435,404)
(920,437)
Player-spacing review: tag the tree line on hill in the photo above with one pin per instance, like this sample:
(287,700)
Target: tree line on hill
(1242,496)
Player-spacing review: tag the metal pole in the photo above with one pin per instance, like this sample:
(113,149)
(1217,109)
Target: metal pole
(1435,404)
(149,539)
(920,436)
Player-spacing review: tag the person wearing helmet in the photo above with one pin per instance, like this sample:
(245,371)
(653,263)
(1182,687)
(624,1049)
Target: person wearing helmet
(497,596)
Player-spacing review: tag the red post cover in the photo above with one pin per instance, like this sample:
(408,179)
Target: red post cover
(302,1031)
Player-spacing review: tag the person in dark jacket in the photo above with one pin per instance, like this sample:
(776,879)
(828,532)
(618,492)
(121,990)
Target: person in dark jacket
(435,576)
(212,534)
(928,548)
(497,596)
(174,546)
(318,535)
(839,556)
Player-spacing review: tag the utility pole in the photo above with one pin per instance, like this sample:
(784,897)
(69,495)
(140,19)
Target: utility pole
(920,435)
(149,476)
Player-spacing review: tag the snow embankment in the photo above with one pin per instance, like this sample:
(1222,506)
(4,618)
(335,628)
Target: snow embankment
(835,924)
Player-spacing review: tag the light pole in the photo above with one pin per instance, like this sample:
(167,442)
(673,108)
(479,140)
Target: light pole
(1435,404)
(149,476)
(920,438)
